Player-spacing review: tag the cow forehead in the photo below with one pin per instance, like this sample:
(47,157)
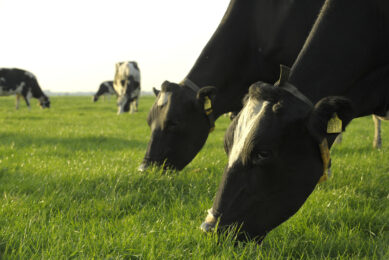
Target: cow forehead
(247,120)
(163,98)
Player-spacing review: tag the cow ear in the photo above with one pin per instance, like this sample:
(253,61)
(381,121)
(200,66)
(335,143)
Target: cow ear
(156,91)
(330,115)
(205,92)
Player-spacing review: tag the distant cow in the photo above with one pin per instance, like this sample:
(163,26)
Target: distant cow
(21,83)
(105,88)
(127,86)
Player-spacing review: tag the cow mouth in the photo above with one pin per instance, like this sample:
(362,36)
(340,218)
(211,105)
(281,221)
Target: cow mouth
(212,220)
(147,163)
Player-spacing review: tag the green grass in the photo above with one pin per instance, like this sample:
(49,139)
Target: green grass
(69,188)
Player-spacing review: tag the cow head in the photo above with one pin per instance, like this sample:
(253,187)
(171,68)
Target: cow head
(179,125)
(44,101)
(274,159)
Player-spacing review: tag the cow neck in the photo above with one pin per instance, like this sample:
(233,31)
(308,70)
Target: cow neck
(249,45)
(226,62)
(337,54)
(208,107)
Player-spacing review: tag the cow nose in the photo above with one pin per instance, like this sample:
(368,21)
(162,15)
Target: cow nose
(209,223)
(207,227)
(143,167)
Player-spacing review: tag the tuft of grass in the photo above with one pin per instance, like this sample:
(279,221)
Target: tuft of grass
(69,188)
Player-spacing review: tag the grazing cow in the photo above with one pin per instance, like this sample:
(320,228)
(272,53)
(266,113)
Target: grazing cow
(253,38)
(105,88)
(278,145)
(22,84)
(127,86)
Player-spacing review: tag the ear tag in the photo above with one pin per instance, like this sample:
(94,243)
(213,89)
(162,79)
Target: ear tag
(334,125)
(207,105)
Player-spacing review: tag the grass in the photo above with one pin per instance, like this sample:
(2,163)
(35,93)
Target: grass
(69,188)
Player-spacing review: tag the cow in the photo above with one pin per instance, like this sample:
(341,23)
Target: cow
(105,88)
(253,38)
(127,86)
(278,146)
(22,83)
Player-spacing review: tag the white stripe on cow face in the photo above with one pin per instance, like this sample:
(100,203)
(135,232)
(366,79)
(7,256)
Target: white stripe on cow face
(163,98)
(246,122)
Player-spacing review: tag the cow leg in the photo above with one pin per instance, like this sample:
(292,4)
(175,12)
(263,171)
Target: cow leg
(27,99)
(377,143)
(132,107)
(17,101)
(136,104)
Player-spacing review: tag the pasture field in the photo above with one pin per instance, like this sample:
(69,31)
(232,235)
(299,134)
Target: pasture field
(69,188)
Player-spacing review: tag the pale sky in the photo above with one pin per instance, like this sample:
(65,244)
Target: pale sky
(73,45)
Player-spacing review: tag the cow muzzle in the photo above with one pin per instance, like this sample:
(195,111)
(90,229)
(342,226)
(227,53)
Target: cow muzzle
(143,167)
(210,222)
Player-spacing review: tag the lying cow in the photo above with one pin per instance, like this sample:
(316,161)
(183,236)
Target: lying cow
(22,84)
(105,88)
(278,146)
(127,86)
(248,46)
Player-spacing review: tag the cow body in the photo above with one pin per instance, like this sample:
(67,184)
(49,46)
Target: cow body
(274,167)
(22,84)
(127,86)
(105,88)
(253,38)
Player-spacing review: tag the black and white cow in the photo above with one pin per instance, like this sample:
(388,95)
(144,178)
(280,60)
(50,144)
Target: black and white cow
(127,86)
(105,88)
(278,145)
(253,38)
(22,84)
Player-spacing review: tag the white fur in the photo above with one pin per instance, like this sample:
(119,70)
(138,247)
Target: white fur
(163,98)
(247,121)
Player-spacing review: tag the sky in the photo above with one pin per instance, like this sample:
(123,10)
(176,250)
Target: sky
(73,45)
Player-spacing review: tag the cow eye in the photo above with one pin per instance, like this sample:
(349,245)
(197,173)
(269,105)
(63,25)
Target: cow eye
(262,155)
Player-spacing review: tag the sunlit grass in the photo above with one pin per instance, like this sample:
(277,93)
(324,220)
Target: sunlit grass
(69,188)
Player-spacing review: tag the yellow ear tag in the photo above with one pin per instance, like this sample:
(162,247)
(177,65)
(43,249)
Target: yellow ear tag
(207,105)
(334,125)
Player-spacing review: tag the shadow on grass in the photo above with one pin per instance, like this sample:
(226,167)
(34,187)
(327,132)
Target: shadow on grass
(73,143)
